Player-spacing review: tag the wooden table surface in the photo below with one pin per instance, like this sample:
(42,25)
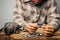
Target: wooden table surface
(56,36)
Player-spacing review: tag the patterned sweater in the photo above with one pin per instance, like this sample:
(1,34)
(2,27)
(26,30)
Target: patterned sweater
(26,12)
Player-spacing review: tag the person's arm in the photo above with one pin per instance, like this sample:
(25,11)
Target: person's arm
(53,18)
(18,14)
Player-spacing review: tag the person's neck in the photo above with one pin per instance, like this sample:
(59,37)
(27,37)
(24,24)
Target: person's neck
(40,3)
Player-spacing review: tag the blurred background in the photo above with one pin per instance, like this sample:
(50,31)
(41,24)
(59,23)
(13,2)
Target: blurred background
(6,11)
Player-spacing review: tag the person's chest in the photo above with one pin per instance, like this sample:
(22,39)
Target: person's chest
(33,13)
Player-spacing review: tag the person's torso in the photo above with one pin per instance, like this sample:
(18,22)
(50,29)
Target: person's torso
(33,13)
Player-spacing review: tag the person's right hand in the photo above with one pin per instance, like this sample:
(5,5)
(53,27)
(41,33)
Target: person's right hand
(32,27)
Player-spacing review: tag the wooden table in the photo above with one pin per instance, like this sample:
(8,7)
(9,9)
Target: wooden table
(56,36)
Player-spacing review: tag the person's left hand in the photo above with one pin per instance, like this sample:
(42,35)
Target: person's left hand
(48,30)
(32,27)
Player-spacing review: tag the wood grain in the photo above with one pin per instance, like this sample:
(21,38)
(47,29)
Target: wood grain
(4,36)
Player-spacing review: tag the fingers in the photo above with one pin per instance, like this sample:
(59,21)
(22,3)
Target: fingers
(48,30)
(46,33)
(32,27)
(44,26)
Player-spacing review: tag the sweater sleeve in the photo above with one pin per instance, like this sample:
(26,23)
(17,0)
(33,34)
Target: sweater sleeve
(18,14)
(53,18)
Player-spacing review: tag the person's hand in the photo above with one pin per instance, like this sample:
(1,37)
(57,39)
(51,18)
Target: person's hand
(32,27)
(48,30)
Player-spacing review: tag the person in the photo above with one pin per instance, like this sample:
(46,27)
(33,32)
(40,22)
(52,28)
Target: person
(32,14)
